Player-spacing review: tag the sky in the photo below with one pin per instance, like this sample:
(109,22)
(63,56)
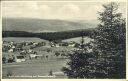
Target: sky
(54,10)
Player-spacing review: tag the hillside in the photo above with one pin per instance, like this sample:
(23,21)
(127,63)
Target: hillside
(78,39)
(42,25)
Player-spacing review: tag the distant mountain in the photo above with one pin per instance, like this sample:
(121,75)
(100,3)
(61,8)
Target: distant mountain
(88,22)
(43,25)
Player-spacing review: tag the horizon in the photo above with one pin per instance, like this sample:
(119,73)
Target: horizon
(69,20)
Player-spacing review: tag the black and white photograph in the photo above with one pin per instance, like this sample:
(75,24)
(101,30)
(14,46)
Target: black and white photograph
(63,40)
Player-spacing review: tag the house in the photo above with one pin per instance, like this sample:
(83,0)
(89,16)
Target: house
(71,44)
(89,50)
(19,58)
(29,50)
(34,56)
(11,50)
(12,42)
(52,44)
(63,44)
(58,74)
(57,45)
(13,47)
(35,43)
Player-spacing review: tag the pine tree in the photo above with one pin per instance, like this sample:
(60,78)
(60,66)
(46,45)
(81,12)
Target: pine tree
(109,50)
(110,43)
(79,63)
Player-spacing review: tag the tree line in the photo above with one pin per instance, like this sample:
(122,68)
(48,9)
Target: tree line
(51,36)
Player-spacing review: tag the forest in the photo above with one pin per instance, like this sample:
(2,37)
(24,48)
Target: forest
(51,35)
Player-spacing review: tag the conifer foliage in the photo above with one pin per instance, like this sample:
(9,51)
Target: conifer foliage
(108,56)
(111,42)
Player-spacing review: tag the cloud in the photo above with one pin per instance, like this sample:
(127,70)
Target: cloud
(52,10)
(91,12)
(25,9)
(69,11)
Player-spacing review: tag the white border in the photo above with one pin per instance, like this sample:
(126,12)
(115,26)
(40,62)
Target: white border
(126,40)
(1,39)
(66,1)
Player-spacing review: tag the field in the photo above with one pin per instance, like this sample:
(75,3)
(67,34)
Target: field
(37,67)
(78,39)
(21,39)
(34,67)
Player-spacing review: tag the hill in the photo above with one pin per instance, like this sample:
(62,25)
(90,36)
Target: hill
(42,25)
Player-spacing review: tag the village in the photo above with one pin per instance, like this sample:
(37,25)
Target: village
(22,51)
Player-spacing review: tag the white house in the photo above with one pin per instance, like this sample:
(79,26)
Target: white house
(11,50)
(57,45)
(19,59)
(13,47)
(29,50)
(35,43)
(34,55)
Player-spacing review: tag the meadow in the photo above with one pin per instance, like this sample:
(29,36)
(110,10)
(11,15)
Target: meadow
(37,67)
(34,67)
